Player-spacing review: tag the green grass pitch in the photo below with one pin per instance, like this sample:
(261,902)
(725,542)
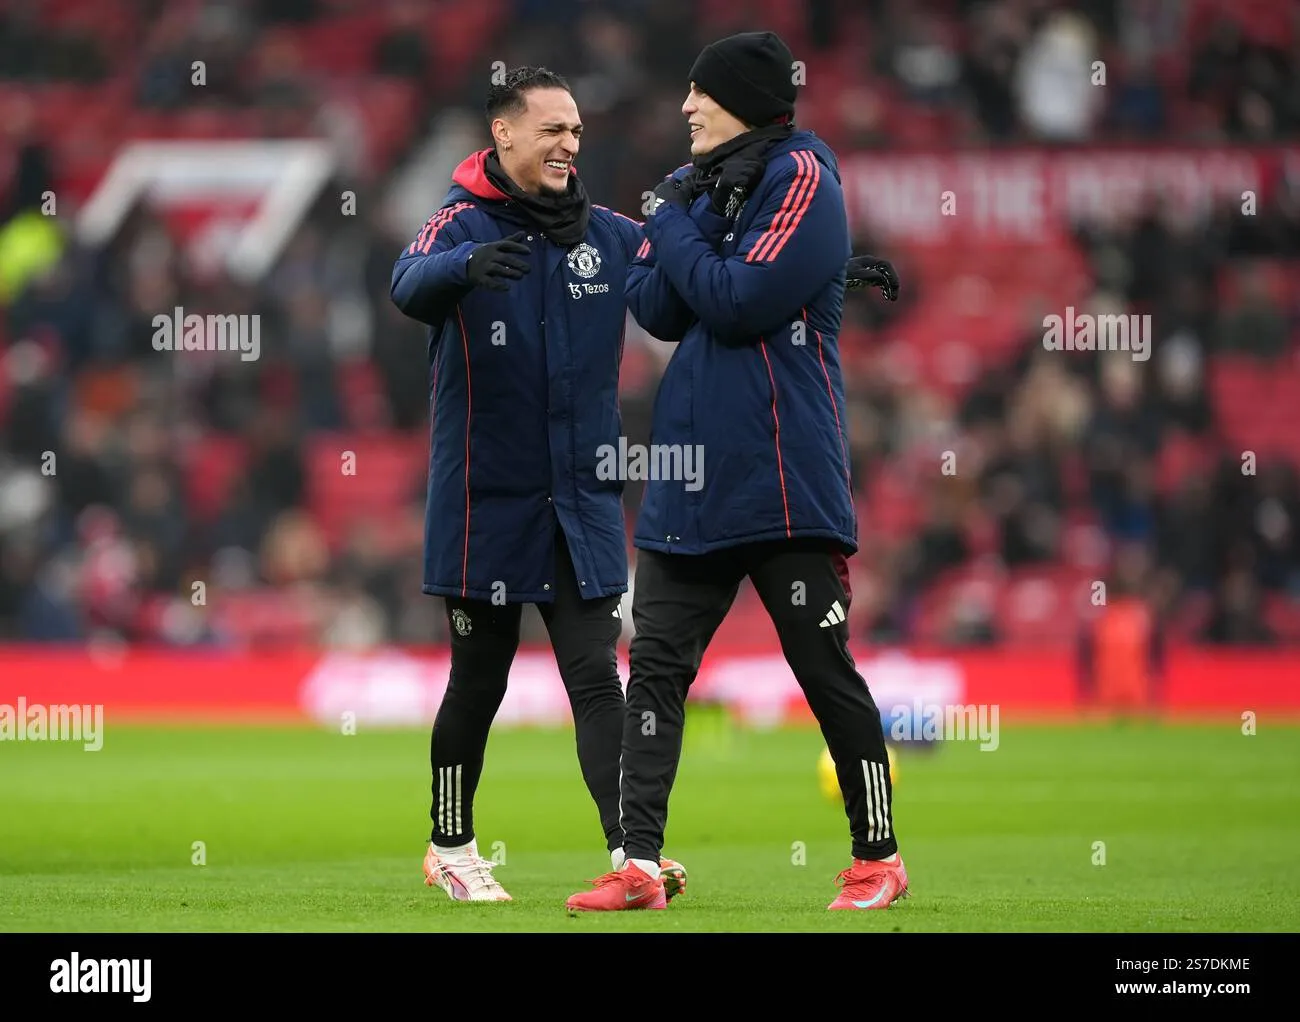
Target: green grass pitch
(308,830)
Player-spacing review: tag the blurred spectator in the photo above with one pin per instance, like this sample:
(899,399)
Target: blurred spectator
(1180,385)
(1274,525)
(1058,95)
(970,619)
(1122,645)
(165,77)
(403,50)
(32,176)
(1238,617)
(1254,326)
(990,68)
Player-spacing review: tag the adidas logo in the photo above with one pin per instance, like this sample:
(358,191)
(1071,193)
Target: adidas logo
(618,612)
(834,616)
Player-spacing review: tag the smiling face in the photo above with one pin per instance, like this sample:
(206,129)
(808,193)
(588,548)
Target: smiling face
(709,124)
(543,141)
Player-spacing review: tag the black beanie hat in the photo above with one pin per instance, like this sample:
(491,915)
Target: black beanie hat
(750,75)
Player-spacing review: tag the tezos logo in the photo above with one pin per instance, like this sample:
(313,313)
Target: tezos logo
(461,622)
(578,290)
(584,261)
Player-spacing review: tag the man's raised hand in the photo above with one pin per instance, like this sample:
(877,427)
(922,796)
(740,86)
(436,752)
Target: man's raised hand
(495,263)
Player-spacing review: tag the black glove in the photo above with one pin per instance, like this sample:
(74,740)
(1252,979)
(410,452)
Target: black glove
(494,263)
(868,271)
(738,174)
(672,193)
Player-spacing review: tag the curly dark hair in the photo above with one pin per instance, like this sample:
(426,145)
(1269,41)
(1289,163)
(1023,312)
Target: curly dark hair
(508,98)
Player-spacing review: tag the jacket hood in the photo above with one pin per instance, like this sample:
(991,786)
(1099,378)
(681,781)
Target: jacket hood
(470,177)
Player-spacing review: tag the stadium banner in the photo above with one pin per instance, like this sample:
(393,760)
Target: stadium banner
(403,687)
(1021,196)
(232,203)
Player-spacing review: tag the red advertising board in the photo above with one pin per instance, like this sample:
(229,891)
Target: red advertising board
(405,686)
(1015,196)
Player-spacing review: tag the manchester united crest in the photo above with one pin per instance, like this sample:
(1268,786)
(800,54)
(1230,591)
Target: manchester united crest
(584,261)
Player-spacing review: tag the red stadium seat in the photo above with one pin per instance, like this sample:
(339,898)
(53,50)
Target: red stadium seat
(1041,607)
(351,477)
(1182,455)
(268,618)
(1191,617)
(211,464)
(1282,614)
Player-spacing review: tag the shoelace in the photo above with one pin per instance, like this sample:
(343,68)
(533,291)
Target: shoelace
(846,875)
(606,878)
(478,870)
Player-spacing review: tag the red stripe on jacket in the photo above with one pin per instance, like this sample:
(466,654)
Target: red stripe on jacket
(437,218)
(780,468)
(796,201)
(830,394)
(435,223)
(805,203)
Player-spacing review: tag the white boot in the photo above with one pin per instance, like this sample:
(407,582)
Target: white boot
(463,874)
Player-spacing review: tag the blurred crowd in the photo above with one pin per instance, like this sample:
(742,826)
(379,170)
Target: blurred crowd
(101,532)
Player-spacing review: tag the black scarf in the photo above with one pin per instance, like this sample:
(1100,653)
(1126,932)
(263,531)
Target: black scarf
(562,218)
(708,168)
